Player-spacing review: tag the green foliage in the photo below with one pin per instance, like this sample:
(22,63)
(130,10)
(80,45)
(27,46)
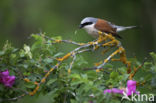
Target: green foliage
(81,86)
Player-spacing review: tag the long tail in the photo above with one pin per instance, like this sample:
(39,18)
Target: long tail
(122,28)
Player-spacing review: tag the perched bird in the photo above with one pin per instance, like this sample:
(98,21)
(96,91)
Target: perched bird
(93,25)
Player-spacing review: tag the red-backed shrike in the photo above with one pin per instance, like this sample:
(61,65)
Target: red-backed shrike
(93,25)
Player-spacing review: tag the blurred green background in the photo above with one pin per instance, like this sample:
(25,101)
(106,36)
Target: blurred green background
(20,18)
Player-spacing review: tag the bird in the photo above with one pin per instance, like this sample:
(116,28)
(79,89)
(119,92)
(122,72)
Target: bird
(94,25)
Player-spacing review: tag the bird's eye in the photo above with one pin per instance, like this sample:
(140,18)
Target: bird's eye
(87,23)
(84,24)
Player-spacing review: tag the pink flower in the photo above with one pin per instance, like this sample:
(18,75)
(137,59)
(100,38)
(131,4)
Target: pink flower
(131,88)
(113,90)
(7,80)
(5,73)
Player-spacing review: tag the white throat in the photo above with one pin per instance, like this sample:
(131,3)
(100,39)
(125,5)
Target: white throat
(91,30)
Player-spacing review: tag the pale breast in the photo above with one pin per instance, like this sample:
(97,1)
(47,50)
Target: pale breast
(91,30)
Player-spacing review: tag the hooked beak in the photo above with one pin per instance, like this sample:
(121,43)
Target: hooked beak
(80,26)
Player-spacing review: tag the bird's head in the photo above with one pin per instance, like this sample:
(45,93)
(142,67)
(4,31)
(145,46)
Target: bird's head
(87,22)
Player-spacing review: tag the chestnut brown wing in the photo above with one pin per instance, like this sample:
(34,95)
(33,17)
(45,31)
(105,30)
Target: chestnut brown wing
(104,26)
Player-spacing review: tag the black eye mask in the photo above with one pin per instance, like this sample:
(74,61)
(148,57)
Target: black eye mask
(84,24)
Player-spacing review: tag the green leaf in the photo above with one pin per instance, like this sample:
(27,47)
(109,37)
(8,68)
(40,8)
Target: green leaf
(80,61)
(114,75)
(30,85)
(48,60)
(58,54)
(75,76)
(76,82)
(51,81)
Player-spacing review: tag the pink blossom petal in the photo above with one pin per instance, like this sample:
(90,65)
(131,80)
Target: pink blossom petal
(131,87)
(107,91)
(9,81)
(5,73)
(131,83)
(115,90)
(6,79)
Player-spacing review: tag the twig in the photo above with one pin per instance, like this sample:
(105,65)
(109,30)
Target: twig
(135,70)
(104,40)
(65,41)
